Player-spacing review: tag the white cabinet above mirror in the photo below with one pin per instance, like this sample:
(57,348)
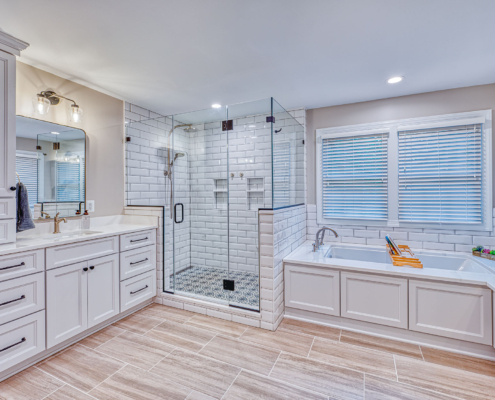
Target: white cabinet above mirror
(51,163)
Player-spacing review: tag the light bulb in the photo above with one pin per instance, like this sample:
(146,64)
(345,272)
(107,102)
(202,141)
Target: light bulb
(41,105)
(216,105)
(76,113)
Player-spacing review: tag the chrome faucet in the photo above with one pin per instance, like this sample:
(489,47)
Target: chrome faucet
(319,242)
(56,222)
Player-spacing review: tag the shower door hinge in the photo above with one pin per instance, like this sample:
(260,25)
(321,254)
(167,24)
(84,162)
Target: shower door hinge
(304,142)
(228,284)
(228,125)
(270,119)
(127,138)
(38,147)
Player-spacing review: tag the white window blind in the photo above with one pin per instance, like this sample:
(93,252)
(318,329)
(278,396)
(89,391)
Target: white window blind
(68,181)
(440,175)
(27,169)
(354,174)
(281,174)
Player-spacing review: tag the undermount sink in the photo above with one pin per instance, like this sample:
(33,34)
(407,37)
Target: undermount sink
(62,235)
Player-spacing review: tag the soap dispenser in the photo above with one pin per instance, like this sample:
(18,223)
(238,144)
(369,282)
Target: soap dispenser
(85,220)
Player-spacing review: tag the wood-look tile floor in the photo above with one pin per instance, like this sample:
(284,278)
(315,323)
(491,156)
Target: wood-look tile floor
(165,353)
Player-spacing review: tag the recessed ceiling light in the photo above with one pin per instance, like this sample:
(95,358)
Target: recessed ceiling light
(395,79)
(55,133)
(216,105)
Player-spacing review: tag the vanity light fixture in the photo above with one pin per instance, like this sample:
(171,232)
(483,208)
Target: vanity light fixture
(395,79)
(43,100)
(216,105)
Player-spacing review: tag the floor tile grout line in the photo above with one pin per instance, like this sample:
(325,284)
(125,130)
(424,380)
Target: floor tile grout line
(231,383)
(49,394)
(125,365)
(64,383)
(273,366)
(207,343)
(395,366)
(109,340)
(370,349)
(422,355)
(312,343)
(423,388)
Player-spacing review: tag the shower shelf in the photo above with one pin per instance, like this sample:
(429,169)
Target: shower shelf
(220,192)
(255,193)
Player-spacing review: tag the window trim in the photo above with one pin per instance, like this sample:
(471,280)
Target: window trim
(392,127)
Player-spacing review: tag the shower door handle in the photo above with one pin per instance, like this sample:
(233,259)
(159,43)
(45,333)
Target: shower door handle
(181,213)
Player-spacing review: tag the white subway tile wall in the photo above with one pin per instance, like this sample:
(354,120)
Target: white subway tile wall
(433,239)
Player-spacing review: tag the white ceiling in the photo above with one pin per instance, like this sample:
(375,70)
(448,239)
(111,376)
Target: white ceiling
(176,56)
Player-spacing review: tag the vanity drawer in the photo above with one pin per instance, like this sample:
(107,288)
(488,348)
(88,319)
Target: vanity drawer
(21,296)
(137,239)
(137,261)
(20,264)
(7,231)
(21,339)
(7,208)
(80,251)
(136,290)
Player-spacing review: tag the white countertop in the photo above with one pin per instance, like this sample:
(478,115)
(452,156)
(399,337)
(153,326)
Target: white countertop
(304,255)
(41,237)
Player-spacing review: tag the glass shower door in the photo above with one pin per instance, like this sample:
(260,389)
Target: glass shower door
(249,156)
(200,205)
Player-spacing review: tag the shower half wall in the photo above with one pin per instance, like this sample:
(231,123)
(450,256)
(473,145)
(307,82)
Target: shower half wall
(224,178)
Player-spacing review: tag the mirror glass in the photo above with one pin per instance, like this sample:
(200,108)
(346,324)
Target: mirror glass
(51,163)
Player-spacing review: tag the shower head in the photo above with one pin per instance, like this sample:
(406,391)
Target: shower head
(177,155)
(190,129)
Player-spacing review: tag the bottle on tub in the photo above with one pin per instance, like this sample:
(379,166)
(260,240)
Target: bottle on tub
(85,220)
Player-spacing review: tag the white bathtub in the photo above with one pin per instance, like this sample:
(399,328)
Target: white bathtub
(446,261)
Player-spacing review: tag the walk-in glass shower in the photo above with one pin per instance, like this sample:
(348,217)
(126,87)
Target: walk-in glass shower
(212,171)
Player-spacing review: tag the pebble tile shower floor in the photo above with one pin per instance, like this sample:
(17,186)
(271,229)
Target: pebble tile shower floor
(161,352)
(209,282)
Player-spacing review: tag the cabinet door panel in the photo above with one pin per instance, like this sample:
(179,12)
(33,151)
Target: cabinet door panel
(66,302)
(374,298)
(455,311)
(103,289)
(312,289)
(7,124)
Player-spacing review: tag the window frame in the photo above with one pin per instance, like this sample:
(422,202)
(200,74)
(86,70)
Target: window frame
(392,127)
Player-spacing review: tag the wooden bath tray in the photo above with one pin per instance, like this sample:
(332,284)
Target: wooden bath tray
(401,261)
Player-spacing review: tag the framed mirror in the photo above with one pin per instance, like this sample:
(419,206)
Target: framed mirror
(51,163)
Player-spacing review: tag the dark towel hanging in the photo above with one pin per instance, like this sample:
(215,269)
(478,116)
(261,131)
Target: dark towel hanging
(24,220)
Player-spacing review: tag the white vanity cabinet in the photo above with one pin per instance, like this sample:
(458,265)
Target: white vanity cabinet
(80,296)
(9,48)
(450,310)
(66,302)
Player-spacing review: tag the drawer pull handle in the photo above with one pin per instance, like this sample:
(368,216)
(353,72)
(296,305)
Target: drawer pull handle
(139,240)
(13,301)
(15,344)
(13,266)
(92,267)
(140,290)
(85,269)
(138,262)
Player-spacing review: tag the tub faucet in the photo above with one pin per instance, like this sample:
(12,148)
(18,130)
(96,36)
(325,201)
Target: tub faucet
(319,242)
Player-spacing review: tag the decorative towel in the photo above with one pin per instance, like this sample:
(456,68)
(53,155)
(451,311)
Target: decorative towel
(24,220)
